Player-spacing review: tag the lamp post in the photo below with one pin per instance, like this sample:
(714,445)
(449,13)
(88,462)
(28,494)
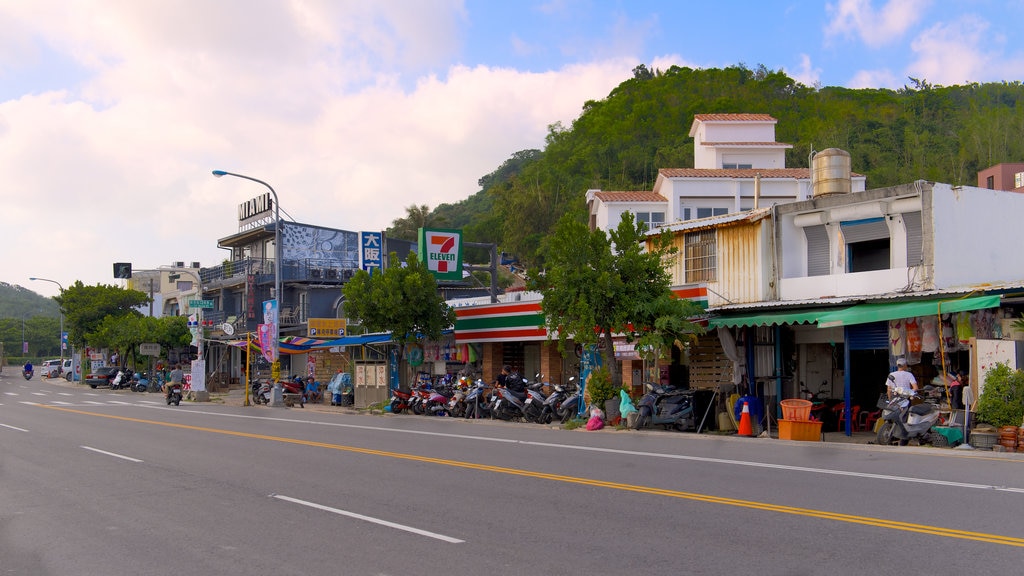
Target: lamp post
(277,275)
(61,339)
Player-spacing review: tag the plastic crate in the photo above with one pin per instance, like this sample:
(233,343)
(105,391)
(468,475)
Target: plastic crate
(796,409)
(983,440)
(804,430)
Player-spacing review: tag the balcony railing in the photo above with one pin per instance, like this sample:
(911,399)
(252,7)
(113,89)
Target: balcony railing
(325,271)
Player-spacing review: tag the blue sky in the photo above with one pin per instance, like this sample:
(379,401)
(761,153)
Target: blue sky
(355,110)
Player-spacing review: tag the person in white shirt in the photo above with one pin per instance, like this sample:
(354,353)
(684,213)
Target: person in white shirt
(901,381)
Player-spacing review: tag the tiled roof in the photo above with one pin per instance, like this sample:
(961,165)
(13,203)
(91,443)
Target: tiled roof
(734,118)
(640,196)
(799,173)
(783,144)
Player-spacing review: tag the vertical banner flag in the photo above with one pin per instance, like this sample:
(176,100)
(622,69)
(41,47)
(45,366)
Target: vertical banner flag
(270,321)
(372,250)
(441,251)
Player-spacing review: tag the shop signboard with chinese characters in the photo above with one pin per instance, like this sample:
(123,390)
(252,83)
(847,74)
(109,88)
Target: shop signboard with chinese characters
(371,250)
(325,327)
(441,251)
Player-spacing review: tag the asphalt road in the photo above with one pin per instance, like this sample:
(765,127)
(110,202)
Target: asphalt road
(100,482)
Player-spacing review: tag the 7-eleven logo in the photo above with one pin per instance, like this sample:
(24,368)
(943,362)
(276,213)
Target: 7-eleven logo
(442,251)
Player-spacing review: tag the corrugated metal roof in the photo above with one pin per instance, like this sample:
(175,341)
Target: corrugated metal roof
(712,221)
(868,298)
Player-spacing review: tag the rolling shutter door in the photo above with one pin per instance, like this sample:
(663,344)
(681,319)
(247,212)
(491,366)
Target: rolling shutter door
(865,230)
(817,250)
(870,336)
(912,222)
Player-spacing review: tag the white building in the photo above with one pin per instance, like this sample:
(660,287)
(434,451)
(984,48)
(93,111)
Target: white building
(738,166)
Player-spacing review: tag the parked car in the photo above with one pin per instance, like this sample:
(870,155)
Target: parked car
(66,370)
(101,376)
(50,369)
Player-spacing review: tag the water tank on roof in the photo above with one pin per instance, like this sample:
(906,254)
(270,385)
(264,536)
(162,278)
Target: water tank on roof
(831,172)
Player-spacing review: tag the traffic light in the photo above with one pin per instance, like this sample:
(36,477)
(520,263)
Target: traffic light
(122,270)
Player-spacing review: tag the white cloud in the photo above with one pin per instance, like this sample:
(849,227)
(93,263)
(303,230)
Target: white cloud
(875,79)
(806,73)
(874,27)
(317,98)
(953,53)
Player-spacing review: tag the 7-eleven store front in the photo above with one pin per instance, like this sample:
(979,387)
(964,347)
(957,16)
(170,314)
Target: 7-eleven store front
(512,332)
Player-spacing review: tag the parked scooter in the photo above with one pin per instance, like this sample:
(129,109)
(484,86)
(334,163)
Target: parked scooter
(400,401)
(175,395)
(121,380)
(477,402)
(905,418)
(509,405)
(667,406)
(562,403)
(261,391)
(140,382)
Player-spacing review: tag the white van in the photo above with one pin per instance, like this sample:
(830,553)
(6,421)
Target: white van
(50,369)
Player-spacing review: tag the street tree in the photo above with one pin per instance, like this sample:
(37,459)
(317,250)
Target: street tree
(87,307)
(126,332)
(403,300)
(597,284)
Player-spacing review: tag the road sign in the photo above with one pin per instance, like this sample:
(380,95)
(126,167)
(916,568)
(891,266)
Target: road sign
(200,303)
(149,349)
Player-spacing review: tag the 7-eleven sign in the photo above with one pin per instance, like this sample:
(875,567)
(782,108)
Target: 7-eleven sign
(441,251)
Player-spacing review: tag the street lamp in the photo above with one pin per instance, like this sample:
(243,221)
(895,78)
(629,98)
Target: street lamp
(61,340)
(278,252)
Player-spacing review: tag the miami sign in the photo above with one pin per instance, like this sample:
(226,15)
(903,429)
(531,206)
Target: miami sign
(441,251)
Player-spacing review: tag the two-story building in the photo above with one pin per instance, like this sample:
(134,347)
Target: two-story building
(738,166)
(822,295)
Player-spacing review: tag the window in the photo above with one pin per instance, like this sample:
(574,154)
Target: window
(651,219)
(686,214)
(990,182)
(707,212)
(734,166)
(867,244)
(700,256)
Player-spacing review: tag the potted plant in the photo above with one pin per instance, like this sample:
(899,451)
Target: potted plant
(602,393)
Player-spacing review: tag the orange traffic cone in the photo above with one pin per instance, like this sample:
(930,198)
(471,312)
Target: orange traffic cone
(745,427)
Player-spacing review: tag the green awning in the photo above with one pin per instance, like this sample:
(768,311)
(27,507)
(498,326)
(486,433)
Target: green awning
(864,313)
(795,316)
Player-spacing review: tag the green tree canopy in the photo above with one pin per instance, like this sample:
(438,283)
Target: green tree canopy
(126,332)
(597,284)
(402,300)
(87,307)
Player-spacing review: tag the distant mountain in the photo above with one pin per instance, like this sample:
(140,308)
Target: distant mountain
(17,301)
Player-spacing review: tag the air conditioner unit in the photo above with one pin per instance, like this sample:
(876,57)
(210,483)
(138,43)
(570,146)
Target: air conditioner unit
(179,264)
(314,272)
(195,264)
(348,274)
(332,273)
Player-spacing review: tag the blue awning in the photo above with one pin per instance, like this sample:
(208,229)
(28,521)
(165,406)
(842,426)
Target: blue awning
(360,340)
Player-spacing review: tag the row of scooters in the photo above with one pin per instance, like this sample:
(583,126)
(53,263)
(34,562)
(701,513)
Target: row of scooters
(665,406)
(462,398)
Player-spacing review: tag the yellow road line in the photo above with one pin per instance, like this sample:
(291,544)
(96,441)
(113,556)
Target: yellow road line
(782,509)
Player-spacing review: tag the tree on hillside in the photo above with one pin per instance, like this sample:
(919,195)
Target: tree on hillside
(403,300)
(597,284)
(87,307)
(416,217)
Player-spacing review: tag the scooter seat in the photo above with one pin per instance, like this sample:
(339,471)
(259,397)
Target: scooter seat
(921,409)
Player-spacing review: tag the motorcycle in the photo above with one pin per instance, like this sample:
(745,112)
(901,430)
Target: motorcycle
(476,401)
(667,406)
(27,374)
(509,405)
(292,390)
(174,397)
(121,380)
(533,405)
(562,402)
(400,401)
(906,417)
(261,391)
(140,382)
